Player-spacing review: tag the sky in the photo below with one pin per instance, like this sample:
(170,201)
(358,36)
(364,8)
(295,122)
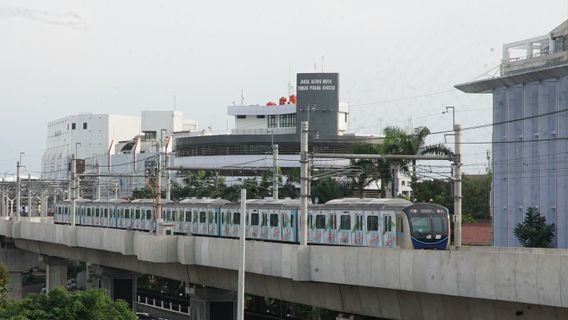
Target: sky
(398,60)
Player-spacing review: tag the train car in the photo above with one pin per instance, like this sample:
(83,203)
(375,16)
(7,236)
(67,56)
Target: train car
(425,226)
(346,222)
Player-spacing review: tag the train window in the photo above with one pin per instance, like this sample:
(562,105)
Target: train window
(437,225)
(127,213)
(320,221)
(137,214)
(254,219)
(399,223)
(345,223)
(372,223)
(148,214)
(274,220)
(236,218)
(97,212)
(173,215)
(202,217)
(387,220)
(264,219)
(188,216)
(106,213)
(210,216)
(88,212)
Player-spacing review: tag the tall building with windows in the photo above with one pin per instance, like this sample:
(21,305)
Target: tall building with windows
(530,134)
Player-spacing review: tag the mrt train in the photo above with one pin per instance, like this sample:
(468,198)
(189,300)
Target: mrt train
(348,222)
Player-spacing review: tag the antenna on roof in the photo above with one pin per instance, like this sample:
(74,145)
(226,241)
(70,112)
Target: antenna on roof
(242,98)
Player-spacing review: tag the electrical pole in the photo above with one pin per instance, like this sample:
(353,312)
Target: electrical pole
(275,171)
(304,179)
(242,260)
(73,193)
(29,195)
(159,193)
(98,183)
(457,189)
(18,204)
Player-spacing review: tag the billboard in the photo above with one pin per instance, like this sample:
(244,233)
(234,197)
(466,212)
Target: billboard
(318,102)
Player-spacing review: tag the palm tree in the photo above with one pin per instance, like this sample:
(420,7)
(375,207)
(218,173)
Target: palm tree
(397,141)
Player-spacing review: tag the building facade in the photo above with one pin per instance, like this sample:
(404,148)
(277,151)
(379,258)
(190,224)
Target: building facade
(530,134)
(115,146)
(249,146)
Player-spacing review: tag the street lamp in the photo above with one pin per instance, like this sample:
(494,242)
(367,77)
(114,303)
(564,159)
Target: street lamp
(453,114)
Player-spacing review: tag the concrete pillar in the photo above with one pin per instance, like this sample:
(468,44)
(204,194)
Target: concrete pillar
(212,303)
(15,285)
(119,284)
(529,50)
(44,200)
(55,272)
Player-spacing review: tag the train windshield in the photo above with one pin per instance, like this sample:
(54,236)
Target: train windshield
(428,225)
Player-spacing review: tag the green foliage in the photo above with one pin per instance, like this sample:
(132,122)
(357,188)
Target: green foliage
(328,189)
(475,190)
(4,279)
(534,232)
(436,191)
(60,304)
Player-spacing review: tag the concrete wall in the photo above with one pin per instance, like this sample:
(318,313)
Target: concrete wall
(372,281)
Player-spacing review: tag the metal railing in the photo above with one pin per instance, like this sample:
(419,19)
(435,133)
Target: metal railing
(166,306)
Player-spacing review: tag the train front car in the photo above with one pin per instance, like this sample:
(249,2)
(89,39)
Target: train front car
(429,226)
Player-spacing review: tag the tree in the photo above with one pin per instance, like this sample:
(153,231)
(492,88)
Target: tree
(397,141)
(534,232)
(60,304)
(4,279)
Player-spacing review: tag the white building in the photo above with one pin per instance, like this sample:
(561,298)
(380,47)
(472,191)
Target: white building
(83,135)
(113,144)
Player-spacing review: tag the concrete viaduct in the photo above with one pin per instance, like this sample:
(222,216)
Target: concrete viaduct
(469,283)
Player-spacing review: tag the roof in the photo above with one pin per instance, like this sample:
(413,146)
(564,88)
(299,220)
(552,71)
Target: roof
(488,85)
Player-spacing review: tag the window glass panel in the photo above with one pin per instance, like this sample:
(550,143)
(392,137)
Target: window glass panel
(320,221)
(188,216)
(437,225)
(202,217)
(274,220)
(254,219)
(372,223)
(148,214)
(345,223)
(236,218)
(420,224)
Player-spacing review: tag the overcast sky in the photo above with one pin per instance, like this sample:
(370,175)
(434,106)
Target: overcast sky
(398,60)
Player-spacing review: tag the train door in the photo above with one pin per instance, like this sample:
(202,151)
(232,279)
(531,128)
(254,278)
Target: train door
(389,230)
(372,229)
(149,221)
(254,224)
(225,222)
(331,227)
(318,227)
(194,226)
(235,224)
(358,233)
(213,219)
(126,222)
(274,232)
(187,222)
(345,223)
(202,223)
(286,223)
(264,224)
